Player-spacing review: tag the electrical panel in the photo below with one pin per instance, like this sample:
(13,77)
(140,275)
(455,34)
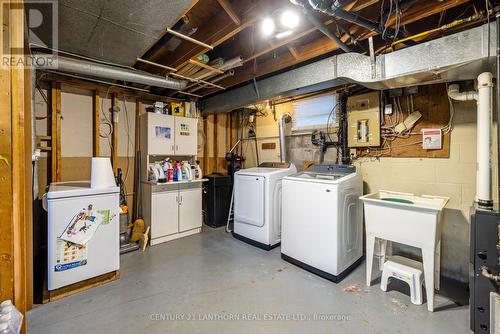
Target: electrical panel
(363,120)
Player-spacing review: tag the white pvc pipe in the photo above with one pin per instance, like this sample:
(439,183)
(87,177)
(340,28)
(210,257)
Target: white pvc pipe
(484,140)
(454,94)
(484,98)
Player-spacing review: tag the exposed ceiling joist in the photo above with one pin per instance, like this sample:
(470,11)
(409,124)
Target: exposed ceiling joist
(230,11)
(325,45)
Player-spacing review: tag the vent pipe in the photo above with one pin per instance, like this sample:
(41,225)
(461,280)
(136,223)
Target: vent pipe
(92,69)
(484,98)
(285,118)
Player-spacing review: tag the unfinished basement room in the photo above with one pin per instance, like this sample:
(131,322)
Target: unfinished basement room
(249,166)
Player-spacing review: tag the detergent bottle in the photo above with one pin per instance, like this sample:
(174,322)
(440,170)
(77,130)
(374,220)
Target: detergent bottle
(168,169)
(186,171)
(197,172)
(175,174)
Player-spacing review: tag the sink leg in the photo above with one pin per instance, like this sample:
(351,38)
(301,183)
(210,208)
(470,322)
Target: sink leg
(383,253)
(370,247)
(428,256)
(437,278)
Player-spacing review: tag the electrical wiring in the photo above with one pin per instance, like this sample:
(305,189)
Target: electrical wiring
(44,97)
(449,127)
(389,122)
(106,122)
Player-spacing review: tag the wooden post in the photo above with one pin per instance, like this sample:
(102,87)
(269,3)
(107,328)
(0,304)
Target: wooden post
(56,132)
(205,148)
(15,165)
(96,123)
(228,132)
(137,180)
(216,142)
(114,153)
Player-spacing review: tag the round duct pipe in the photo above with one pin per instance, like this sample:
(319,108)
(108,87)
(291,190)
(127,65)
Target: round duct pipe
(88,68)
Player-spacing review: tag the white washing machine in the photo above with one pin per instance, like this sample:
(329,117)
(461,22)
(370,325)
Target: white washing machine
(257,203)
(322,228)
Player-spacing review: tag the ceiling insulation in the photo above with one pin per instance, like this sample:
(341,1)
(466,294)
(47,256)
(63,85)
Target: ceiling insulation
(117,31)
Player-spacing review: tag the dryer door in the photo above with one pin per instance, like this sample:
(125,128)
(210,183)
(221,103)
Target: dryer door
(249,200)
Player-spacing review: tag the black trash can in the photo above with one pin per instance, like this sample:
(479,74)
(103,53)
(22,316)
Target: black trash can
(217,199)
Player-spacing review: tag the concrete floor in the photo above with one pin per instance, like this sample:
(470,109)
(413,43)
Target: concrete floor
(215,275)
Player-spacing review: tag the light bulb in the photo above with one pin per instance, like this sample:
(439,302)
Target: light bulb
(267,26)
(289,19)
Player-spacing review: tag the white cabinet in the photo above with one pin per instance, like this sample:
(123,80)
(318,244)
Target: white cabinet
(172,210)
(169,135)
(163,204)
(157,132)
(189,209)
(186,136)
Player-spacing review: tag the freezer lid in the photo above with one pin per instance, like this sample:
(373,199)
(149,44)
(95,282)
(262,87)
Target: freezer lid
(77,188)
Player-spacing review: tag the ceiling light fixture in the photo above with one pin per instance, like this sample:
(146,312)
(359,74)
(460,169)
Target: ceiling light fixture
(289,19)
(267,26)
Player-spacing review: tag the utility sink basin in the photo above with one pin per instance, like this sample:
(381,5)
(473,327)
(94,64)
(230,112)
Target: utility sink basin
(406,201)
(407,219)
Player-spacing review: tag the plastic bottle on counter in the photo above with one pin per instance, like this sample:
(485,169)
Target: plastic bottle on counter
(168,169)
(198,175)
(186,171)
(193,172)
(177,174)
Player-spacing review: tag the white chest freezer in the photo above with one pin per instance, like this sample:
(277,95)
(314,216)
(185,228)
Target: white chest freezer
(83,232)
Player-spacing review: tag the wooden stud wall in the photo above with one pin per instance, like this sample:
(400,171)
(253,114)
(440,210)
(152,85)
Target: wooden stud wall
(15,167)
(114,153)
(96,125)
(55,111)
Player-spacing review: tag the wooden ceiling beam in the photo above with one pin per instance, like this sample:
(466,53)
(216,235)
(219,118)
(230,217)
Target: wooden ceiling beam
(208,67)
(293,51)
(357,5)
(230,11)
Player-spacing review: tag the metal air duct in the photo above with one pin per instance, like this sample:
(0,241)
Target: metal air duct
(457,57)
(97,70)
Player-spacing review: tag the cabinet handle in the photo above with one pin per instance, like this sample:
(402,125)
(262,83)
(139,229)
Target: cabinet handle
(176,147)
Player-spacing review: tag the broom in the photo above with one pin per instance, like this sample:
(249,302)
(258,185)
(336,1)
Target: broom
(138,228)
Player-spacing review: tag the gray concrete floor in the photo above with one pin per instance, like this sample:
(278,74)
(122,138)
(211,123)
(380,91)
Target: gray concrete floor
(214,275)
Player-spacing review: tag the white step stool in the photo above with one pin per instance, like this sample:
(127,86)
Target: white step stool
(406,270)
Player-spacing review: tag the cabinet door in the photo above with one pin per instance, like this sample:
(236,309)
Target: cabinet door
(186,136)
(190,209)
(164,213)
(160,134)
